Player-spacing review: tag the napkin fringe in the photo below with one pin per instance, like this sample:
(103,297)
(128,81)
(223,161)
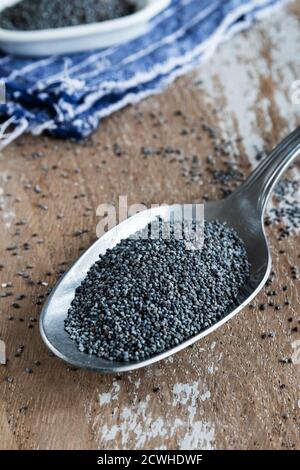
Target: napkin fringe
(20,127)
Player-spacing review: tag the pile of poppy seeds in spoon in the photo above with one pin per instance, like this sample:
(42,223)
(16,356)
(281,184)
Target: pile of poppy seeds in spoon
(145,296)
(29,15)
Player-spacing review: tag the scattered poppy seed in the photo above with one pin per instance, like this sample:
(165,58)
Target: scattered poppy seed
(5,294)
(283,360)
(21,222)
(15,305)
(117,150)
(42,206)
(20,296)
(12,248)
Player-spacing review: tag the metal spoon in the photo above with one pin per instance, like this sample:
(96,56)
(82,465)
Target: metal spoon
(242,210)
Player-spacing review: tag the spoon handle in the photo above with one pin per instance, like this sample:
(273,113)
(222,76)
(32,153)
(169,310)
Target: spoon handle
(260,184)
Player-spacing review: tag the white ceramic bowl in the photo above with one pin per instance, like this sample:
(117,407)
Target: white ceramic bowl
(79,38)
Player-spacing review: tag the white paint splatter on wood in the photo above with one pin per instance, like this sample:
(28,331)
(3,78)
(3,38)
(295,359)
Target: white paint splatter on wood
(7,214)
(296,352)
(2,353)
(236,73)
(137,425)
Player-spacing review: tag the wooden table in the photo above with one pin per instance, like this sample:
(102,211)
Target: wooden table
(236,388)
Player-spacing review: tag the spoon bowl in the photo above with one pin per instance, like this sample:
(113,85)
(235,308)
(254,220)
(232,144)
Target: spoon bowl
(242,210)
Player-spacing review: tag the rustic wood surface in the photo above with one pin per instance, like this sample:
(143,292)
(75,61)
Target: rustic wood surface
(235,389)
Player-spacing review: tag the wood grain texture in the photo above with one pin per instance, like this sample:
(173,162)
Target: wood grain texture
(232,389)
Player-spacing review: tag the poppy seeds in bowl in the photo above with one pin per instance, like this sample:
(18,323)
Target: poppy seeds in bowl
(30,15)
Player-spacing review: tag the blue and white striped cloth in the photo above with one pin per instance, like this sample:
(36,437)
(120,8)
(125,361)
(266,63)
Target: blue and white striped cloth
(68,95)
